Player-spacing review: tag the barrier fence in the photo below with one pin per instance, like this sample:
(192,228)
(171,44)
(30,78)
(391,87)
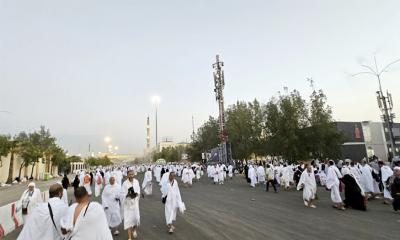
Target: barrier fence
(11,215)
(10,218)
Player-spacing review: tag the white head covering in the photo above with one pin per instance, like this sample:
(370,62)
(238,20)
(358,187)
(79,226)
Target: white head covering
(345,171)
(31,184)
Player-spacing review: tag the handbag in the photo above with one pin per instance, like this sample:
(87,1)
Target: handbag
(25,209)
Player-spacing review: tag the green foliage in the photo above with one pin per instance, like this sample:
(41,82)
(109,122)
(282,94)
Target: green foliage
(74,159)
(4,145)
(205,139)
(32,147)
(322,128)
(170,154)
(98,161)
(59,158)
(240,130)
(287,127)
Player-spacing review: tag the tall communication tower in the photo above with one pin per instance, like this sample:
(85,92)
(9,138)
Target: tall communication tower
(219,82)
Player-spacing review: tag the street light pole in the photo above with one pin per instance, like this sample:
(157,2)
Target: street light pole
(385,104)
(156,126)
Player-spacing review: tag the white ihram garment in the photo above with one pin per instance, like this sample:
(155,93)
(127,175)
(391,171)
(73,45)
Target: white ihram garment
(111,205)
(173,201)
(147,186)
(307,182)
(130,206)
(39,225)
(91,223)
(332,183)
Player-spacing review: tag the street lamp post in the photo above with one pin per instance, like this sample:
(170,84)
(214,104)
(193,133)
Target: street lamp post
(385,104)
(156,100)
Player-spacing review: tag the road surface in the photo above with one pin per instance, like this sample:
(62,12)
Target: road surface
(236,211)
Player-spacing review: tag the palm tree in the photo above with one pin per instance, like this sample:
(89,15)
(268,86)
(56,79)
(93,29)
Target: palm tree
(4,146)
(14,149)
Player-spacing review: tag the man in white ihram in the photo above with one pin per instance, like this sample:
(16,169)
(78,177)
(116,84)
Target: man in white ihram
(30,199)
(85,219)
(147,184)
(308,184)
(172,199)
(44,221)
(110,200)
(98,184)
(261,174)
(130,195)
(333,183)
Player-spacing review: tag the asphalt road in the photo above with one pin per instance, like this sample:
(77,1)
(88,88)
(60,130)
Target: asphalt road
(236,211)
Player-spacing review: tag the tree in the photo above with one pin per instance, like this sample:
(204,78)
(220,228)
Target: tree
(46,144)
(14,148)
(239,127)
(286,127)
(98,161)
(74,158)
(5,148)
(293,119)
(272,134)
(170,154)
(285,120)
(59,158)
(257,127)
(30,151)
(325,140)
(205,139)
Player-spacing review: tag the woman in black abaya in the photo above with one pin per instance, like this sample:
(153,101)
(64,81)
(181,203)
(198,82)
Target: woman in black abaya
(354,195)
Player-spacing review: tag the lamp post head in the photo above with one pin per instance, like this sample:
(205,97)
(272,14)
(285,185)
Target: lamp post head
(156,99)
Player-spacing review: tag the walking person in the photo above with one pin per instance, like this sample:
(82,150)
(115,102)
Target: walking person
(130,201)
(333,183)
(309,185)
(172,199)
(110,199)
(271,178)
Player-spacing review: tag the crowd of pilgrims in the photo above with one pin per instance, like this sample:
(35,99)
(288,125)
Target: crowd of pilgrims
(120,193)
(360,182)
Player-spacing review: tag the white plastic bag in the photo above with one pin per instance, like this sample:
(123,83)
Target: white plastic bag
(182,207)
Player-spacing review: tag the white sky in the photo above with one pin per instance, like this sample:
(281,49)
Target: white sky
(88,69)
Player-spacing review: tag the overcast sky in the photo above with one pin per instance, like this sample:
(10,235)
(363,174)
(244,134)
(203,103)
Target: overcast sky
(88,69)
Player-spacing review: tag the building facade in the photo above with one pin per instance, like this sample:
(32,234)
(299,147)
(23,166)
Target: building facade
(367,139)
(38,171)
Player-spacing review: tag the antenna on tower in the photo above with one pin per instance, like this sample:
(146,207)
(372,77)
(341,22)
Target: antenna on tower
(311,81)
(219,82)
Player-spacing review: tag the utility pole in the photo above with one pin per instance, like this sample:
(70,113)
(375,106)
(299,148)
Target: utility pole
(219,82)
(385,104)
